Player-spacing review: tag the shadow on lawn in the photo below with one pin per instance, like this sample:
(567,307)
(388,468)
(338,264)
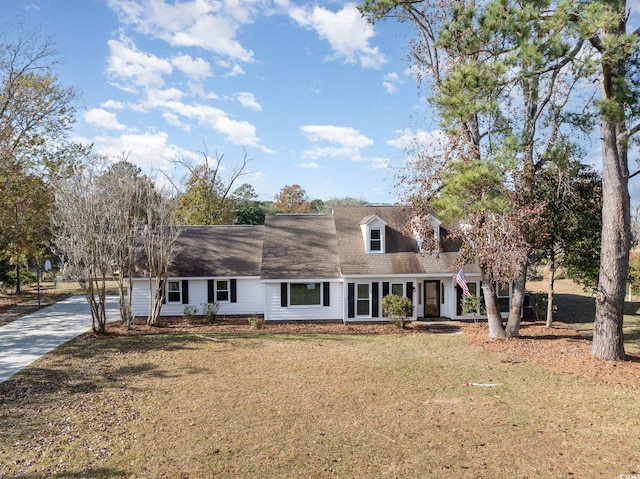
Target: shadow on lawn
(63,374)
(89,473)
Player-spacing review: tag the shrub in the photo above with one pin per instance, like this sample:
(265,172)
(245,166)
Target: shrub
(190,313)
(397,309)
(472,305)
(210,311)
(256,322)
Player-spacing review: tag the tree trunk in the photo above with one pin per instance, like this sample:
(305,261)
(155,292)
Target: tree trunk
(608,340)
(552,279)
(496,329)
(17,277)
(517,301)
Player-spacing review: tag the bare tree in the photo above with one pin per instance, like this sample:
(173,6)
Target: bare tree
(159,239)
(124,190)
(204,198)
(82,225)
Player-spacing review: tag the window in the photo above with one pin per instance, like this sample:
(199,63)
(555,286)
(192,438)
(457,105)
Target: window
(363,300)
(304,294)
(375,243)
(222,290)
(173,292)
(502,291)
(397,289)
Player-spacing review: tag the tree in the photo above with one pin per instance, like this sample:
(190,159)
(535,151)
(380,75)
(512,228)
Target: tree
(501,75)
(292,199)
(36,114)
(248,210)
(568,234)
(205,197)
(125,191)
(604,23)
(159,238)
(82,237)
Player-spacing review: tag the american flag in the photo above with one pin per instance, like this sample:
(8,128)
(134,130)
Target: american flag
(462,282)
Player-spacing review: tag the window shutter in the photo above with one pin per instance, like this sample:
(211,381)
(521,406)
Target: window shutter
(385,288)
(409,292)
(374,299)
(326,293)
(210,295)
(234,291)
(284,302)
(351,310)
(185,291)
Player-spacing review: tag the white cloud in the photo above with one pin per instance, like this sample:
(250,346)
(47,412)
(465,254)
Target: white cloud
(101,118)
(150,151)
(310,164)
(210,25)
(347,32)
(237,132)
(380,163)
(390,82)
(343,135)
(346,141)
(113,104)
(133,68)
(248,100)
(409,140)
(235,71)
(196,70)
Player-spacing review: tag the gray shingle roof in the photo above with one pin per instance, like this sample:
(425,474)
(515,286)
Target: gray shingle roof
(300,247)
(401,251)
(219,251)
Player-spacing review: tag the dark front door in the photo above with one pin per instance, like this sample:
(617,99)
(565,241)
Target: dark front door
(432,299)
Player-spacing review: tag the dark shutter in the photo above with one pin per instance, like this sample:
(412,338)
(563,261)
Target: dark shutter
(409,292)
(234,291)
(351,310)
(211,298)
(325,293)
(374,299)
(284,302)
(385,288)
(185,291)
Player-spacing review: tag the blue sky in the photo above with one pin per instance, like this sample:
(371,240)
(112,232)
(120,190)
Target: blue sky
(314,94)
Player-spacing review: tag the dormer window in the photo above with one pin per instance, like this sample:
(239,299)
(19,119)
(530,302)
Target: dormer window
(373,234)
(375,241)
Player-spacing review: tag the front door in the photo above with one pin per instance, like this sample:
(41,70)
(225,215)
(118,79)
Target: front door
(432,299)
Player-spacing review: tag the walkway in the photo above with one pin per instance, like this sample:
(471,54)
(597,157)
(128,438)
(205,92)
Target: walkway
(26,339)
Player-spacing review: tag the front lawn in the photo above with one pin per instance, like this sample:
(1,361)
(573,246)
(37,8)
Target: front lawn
(257,405)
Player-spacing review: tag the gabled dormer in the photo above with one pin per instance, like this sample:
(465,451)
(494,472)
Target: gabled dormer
(373,234)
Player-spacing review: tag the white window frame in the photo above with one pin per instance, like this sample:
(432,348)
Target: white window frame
(220,291)
(169,291)
(379,241)
(367,299)
(402,286)
(317,286)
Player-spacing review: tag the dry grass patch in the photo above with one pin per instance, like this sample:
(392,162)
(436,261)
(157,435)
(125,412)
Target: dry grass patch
(276,405)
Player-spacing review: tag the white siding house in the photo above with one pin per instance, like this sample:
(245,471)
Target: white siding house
(302,267)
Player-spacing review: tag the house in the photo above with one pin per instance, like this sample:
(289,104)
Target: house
(305,267)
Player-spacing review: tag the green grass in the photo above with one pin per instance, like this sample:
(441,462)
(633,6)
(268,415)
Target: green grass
(578,308)
(258,406)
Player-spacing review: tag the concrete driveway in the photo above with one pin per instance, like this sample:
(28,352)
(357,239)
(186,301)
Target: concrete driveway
(26,339)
